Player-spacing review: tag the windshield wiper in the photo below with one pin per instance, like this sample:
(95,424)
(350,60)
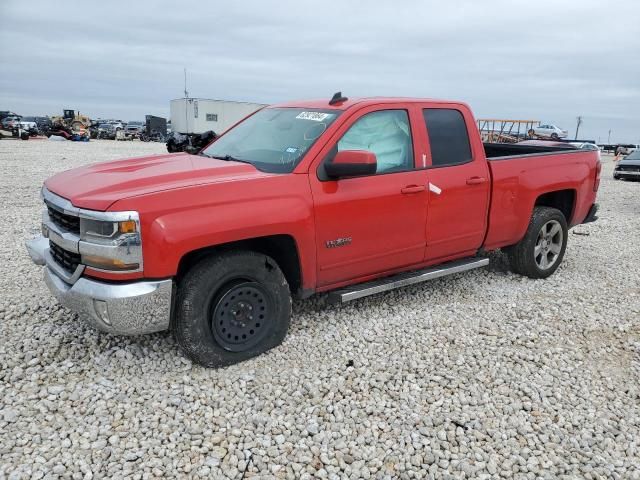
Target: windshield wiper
(228,158)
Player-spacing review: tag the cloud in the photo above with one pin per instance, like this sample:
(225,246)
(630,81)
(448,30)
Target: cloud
(545,60)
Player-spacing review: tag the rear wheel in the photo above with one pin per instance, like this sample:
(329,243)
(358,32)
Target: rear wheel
(540,252)
(231,307)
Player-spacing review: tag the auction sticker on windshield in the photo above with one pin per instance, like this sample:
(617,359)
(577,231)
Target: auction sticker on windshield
(315,116)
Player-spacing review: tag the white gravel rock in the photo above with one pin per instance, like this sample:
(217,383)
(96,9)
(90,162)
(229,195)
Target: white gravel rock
(481,375)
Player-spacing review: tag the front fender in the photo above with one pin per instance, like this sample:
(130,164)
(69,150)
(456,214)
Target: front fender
(177,222)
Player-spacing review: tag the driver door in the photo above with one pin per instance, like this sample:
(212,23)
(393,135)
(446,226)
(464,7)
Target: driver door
(371,224)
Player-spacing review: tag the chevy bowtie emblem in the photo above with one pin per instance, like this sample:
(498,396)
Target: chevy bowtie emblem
(338,242)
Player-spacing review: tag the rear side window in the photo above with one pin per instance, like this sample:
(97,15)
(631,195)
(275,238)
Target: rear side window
(448,136)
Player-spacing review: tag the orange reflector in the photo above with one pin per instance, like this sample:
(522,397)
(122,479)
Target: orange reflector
(128,226)
(107,263)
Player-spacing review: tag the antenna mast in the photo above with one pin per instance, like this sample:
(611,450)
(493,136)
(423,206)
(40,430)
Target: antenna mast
(186,94)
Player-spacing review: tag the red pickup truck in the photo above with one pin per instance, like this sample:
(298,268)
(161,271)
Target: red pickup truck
(349,196)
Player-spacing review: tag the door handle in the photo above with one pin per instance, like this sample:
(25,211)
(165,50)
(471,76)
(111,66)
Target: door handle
(476,180)
(413,189)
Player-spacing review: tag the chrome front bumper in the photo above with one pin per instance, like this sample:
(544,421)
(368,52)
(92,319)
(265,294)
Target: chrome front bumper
(132,308)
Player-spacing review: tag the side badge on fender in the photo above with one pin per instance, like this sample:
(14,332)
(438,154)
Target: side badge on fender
(338,242)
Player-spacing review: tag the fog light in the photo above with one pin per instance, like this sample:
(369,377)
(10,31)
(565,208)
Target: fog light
(45,231)
(100,306)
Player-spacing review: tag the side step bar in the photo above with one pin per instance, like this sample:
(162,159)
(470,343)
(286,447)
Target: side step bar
(403,279)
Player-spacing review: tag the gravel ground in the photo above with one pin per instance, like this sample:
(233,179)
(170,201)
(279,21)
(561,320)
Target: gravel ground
(482,375)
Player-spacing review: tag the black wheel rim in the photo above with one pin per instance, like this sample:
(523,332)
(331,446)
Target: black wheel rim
(242,316)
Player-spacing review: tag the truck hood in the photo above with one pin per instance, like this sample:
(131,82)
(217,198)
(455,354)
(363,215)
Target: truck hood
(98,186)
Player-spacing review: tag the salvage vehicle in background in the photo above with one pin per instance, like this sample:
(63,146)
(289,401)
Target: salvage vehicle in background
(134,129)
(106,131)
(9,121)
(548,130)
(351,197)
(44,124)
(586,146)
(71,124)
(629,167)
(28,126)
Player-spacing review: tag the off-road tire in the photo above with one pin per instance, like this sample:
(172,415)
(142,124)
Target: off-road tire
(200,296)
(521,255)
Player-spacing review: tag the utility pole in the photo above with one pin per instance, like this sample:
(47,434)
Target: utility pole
(186,101)
(578,127)
(609,137)
(186,94)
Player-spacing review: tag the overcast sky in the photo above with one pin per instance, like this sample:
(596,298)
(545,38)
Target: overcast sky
(539,59)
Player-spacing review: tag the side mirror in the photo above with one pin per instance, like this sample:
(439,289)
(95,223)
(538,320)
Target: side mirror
(352,163)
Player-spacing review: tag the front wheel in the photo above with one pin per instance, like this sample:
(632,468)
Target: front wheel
(554,136)
(540,252)
(231,307)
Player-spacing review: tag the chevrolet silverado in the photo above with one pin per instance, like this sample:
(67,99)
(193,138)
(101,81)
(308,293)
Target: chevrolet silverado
(347,196)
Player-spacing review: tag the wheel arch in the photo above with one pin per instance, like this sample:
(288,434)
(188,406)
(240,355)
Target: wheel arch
(282,248)
(563,200)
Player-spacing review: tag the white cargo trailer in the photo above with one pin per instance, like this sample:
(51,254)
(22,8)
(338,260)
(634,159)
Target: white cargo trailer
(199,115)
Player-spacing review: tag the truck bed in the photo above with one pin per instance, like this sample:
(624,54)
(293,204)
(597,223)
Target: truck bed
(503,151)
(518,183)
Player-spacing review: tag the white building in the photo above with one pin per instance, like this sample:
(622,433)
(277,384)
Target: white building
(198,115)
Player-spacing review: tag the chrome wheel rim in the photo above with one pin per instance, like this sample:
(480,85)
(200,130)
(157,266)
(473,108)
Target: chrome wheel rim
(548,245)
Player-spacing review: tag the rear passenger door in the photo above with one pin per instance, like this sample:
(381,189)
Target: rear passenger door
(458,183)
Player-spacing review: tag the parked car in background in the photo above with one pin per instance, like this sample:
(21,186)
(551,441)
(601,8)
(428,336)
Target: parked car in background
(586,146)
(134,129)
(629,167)
(9,121)
(106,131)
(44,124)
(7,114)
(29,125)
(299,198)
(548,130)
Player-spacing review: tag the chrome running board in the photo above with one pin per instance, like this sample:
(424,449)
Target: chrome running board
(403,279)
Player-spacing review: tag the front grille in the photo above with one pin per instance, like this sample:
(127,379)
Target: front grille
(628,168)
(70,223)
(67,260)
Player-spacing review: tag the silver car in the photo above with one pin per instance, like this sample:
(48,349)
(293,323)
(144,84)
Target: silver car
(548,130)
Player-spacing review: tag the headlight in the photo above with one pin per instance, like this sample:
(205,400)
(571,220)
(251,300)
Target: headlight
(111,242)
(105,230)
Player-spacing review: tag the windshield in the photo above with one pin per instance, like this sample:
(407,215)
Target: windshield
(273,139)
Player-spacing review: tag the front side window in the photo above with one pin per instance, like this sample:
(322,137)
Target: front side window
(448,136)
(387,134)
(274,139)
